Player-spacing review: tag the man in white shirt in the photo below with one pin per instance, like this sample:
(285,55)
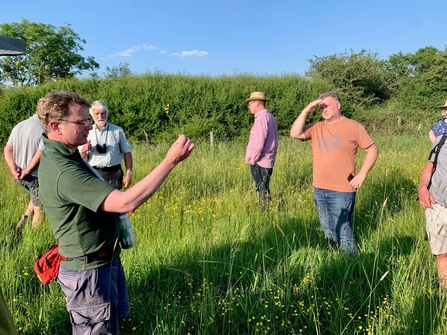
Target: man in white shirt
(106,146)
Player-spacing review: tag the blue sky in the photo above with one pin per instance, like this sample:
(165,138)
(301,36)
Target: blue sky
(232,37)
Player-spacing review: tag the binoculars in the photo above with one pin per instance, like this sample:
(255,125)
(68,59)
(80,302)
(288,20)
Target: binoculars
(101,148)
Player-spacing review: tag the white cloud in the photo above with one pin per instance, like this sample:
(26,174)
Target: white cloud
(183,54)
(150,47)
(126,53)
(193,53)
(129,52)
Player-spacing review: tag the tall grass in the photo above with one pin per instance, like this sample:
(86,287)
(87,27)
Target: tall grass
(209,261)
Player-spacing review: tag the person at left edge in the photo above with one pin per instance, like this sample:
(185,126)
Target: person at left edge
(83,212)
(106,146)
(22,154)
(262,145)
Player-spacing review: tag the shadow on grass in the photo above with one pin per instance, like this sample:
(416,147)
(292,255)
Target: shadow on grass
(381,200)
(428,312)
(281,279)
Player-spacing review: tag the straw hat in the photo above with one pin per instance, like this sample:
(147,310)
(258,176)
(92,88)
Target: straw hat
(445,106)
(257,96)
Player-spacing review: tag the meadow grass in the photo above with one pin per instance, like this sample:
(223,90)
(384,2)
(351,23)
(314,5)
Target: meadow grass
(209,261)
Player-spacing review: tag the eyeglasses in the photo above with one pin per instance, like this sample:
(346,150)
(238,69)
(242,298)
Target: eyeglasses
(86,122)
(251,102)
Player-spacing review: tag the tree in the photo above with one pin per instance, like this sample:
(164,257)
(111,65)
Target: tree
(358,76)
(51,53)
(122,70)
(400,69)
(418,79)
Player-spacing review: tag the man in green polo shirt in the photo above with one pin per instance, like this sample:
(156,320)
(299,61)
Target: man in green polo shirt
(83,212)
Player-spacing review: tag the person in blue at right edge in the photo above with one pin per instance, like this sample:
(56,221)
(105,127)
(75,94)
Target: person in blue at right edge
(440,126)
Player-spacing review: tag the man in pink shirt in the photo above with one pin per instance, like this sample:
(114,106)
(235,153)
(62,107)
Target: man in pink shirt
(262,145)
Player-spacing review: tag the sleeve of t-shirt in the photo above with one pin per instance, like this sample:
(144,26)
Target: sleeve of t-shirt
(79,187)
(308,131)
(41,145)
(364,141)
(124,142)
(11,136)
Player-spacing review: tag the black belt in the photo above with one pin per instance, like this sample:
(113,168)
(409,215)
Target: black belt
(94,256)
(108,168)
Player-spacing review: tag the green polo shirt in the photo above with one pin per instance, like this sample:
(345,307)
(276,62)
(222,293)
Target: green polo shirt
(71,195)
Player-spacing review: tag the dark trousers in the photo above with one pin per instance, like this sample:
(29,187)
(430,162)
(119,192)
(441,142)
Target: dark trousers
(113,175)
(261,176)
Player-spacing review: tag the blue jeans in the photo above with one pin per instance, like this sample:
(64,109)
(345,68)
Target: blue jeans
(335,212)
(261,176)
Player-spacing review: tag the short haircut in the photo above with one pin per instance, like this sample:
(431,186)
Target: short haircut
(56,106)
(98,104)
(333,95)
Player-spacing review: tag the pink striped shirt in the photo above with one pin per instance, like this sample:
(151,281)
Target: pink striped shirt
(263,142)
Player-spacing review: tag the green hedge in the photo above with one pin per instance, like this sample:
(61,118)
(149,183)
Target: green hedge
(156,107)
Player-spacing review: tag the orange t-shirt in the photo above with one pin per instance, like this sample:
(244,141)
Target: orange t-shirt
(334,148)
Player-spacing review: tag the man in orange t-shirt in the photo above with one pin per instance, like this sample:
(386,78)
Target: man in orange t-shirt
(335,140)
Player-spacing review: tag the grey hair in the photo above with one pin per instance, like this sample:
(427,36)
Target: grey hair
(98,104)
(333,95)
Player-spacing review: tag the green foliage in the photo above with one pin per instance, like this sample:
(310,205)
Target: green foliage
(357,76)
(51,53)
(156,107)
(419,79)
(122,70)
(401,68)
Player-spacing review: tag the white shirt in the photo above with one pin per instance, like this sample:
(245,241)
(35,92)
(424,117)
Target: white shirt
(116,145)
